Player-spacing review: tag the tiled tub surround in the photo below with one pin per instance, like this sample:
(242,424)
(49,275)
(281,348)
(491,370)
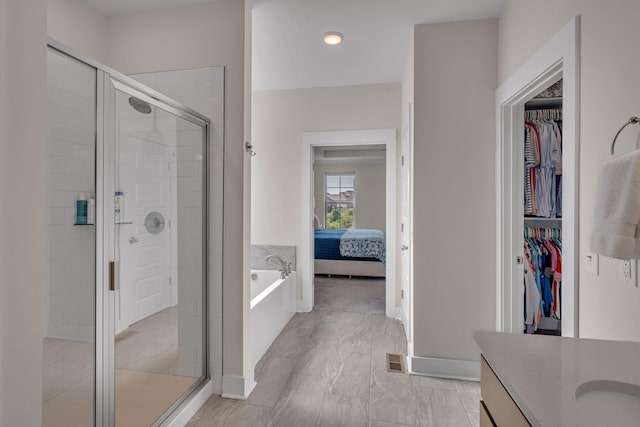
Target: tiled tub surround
(202,89)
(259,254)
(327,368)
(542,373)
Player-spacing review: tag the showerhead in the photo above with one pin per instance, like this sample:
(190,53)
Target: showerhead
(140,105)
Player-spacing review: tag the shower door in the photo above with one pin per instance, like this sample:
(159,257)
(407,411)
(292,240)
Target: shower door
(154,230)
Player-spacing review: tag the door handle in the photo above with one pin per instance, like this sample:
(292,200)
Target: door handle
(112,275)
(404,247)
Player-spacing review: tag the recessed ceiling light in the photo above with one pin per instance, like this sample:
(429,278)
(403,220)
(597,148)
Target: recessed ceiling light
(333,38)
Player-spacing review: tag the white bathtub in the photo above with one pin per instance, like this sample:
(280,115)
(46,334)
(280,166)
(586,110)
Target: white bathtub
(272,306)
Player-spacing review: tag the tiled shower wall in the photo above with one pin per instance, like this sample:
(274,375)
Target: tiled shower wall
(69,249)
(203,90)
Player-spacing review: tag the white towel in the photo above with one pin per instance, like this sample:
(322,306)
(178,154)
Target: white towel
(617,213)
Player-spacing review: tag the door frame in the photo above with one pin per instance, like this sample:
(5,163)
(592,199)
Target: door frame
(558,58)
(407,227)
(310,140)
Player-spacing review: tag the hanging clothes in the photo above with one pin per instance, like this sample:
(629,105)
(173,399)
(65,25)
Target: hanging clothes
(542,275)
(543,164)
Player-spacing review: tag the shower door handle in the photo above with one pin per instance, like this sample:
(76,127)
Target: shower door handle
(112,275)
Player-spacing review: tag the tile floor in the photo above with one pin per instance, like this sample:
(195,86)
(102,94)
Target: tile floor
(356,295)
(327,368)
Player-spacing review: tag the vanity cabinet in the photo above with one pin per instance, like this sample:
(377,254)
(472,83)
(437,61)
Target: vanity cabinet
(497,408)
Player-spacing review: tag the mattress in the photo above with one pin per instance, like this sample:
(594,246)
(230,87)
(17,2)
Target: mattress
(363,243)
(327,246)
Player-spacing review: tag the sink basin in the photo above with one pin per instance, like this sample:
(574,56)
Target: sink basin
(609,403)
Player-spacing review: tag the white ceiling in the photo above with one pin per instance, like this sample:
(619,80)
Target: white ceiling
(287,36)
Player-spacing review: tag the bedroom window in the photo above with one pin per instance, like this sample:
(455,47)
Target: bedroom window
(339,204)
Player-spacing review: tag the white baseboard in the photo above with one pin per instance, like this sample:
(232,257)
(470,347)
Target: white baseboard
(396,313)
(216,386)
(409,356)
(302,306)
(237,387)
(444,368)
(181,418)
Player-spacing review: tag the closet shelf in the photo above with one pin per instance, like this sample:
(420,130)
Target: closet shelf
(540,218)
(537,103)
(530,221)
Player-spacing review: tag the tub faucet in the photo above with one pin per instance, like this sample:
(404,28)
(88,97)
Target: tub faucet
(284,272)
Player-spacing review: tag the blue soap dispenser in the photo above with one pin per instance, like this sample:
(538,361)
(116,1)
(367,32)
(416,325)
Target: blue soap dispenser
(81,210)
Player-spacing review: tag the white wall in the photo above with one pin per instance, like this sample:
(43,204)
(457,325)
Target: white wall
(454,197)
(370,211)
(610,62)
(279,119)
(80,24)
(22,206)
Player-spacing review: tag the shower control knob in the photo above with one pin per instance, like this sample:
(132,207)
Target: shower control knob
(133,240)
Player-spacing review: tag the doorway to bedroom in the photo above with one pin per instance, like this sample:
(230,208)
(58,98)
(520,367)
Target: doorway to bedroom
(349,227)
(349,221)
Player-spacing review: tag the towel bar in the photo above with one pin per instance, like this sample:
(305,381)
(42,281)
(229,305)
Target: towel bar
(632,120)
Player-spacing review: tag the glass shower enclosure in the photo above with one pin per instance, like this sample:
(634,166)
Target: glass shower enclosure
(140,209)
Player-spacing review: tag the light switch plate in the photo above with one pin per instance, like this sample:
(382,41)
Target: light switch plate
(591,263)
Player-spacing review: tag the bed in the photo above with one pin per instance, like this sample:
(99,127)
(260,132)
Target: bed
(359,252)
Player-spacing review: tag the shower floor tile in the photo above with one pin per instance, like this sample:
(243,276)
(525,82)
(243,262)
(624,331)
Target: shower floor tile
(146,379)
(141,399)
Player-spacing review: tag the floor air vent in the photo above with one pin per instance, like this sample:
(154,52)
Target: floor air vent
(395,363)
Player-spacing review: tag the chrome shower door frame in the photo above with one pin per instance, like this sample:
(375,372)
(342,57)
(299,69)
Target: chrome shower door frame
(108,82)
(106,183)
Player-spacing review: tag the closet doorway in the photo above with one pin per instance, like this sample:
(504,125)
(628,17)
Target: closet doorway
(336,139)
(537,191)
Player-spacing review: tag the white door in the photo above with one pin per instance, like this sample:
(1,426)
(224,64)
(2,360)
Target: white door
(144,176)
(406,226)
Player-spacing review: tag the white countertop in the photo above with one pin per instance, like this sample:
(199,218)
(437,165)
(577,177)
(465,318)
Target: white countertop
(541,373)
